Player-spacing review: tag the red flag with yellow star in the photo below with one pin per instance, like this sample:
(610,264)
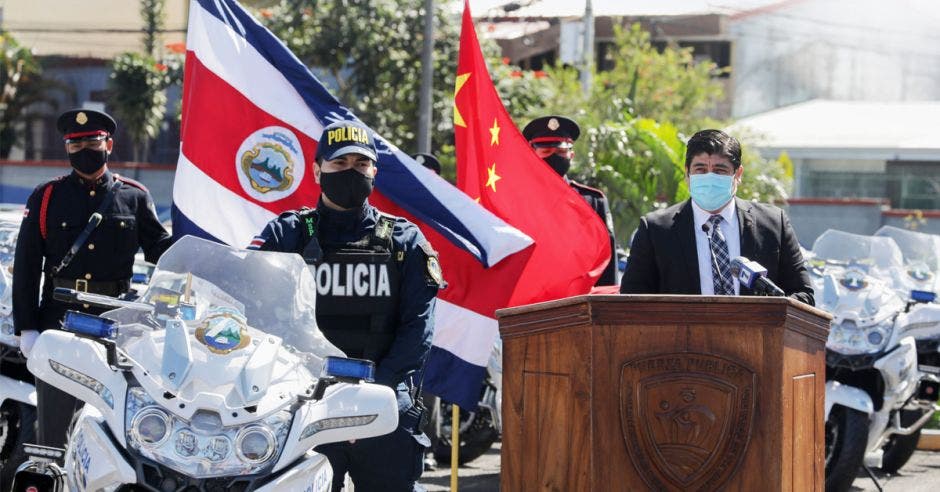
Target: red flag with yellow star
(496,166)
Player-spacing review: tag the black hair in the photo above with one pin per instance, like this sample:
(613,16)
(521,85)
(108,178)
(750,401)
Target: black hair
(713,142)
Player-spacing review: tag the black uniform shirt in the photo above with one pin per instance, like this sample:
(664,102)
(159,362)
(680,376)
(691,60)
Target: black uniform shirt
(108,255)
(415,318)
(598,202)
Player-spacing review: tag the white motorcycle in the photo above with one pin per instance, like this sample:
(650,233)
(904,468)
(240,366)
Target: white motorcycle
(217,380)
(17,392)
(871,357)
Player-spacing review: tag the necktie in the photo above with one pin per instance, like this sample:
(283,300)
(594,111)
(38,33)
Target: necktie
(721,261)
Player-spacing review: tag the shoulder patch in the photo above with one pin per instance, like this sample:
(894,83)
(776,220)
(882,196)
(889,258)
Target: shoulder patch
(257,242)
(435,276)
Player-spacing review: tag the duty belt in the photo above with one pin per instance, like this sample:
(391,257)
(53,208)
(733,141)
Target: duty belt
(105,287)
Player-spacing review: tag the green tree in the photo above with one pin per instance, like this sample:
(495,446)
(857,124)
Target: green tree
(635,122)
(370,51)
(138,98)
(153,13)
(21,87)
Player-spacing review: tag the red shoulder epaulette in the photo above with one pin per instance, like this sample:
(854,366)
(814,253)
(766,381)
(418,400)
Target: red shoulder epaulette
(44,206)
(586,187)
(131,182)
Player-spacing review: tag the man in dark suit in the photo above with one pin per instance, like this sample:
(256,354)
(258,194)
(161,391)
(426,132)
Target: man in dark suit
(552,138)
(686,248)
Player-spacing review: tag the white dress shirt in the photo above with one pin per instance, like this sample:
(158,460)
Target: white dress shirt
(730,231)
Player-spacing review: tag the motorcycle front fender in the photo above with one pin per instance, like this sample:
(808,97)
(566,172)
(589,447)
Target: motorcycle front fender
(92,461)
(16,390)
(374,401)
(847,396)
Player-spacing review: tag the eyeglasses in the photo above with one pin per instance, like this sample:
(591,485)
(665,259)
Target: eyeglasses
(94,143)
(545,149)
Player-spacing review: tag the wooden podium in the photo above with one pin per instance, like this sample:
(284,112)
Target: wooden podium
(604,393)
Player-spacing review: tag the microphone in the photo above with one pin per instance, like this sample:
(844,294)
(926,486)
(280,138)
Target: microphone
(754,276)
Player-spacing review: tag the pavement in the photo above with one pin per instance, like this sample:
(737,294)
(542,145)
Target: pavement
(920,474)
(480,475)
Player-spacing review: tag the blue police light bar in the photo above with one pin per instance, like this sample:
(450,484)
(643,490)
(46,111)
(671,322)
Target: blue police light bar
(923,296)
(90,325)
(343,368)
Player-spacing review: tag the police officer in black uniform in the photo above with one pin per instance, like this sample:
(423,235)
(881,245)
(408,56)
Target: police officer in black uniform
(552,138)
(79,231)
(377,279)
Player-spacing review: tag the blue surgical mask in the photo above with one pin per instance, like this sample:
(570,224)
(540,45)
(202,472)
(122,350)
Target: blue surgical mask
(711,191)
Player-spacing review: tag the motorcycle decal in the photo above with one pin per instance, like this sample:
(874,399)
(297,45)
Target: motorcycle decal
(854,280)
(323,481)
(81,456)
(686,418)
(920,273)
(223,331)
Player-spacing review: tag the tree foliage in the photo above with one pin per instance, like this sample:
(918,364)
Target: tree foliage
(370,52)
(138,98)
(153,13)
(635,122)
(21,86)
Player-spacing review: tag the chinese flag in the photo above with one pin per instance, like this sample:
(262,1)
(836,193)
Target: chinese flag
(496,166)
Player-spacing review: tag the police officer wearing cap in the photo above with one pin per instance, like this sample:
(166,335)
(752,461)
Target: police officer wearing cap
(377,278)
(552,138)
(79,231)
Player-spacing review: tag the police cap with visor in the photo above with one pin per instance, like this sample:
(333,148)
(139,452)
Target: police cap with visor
(345,137)
(551,131)
(85,124)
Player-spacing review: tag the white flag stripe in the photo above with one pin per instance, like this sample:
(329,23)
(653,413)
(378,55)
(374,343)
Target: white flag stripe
(502,240)
(467,335)
(233,59)
(201,199)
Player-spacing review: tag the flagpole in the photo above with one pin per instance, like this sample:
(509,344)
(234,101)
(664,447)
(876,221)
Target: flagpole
(588,61)
(427,81)
(454,445)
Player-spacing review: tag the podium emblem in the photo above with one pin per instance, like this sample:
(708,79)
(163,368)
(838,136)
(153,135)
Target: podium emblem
(686,418)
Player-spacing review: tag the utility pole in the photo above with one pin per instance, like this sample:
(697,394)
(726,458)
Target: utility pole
(427,80)
(588,61)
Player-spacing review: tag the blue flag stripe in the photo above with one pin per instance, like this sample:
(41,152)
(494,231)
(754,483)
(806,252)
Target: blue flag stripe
(453,379)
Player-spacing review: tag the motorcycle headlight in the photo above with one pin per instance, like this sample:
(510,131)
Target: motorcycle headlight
(850,339)
(255,444)
(202,447)
(151,427)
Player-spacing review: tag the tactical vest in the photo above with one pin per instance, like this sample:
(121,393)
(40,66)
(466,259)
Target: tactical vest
(358,286)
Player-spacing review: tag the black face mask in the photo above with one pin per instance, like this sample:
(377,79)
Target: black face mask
(559,164)
(88,161)
(348,189)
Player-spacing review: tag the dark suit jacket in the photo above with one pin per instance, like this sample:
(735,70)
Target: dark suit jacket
(663,257)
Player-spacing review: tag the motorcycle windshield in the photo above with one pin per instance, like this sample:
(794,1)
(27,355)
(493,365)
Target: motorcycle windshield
(842,246)
(916,247)
(275,292)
